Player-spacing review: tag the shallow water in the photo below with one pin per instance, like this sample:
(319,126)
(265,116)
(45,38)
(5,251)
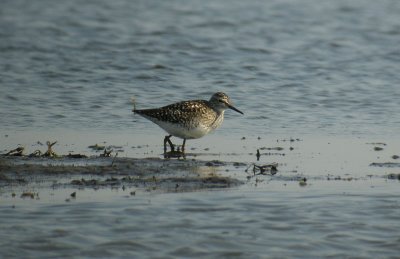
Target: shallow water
(268,221)
(324,72)
(306,67)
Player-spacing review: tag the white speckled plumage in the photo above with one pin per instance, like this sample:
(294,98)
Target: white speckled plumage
(190,119)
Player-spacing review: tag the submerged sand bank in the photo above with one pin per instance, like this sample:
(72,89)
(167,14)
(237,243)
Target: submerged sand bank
(149,173)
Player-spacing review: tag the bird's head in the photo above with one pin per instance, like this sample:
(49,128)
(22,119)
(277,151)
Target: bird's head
(222,102)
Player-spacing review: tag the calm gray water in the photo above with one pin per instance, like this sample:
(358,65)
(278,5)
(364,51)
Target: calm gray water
(288,223)
(294,68)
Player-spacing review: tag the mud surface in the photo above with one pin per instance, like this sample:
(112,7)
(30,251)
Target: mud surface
(150,173)
(289,159)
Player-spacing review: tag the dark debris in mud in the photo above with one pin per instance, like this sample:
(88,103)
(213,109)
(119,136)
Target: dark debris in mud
(49,153)
(215,163)
(386,164)
(376,143)
(393,176)
(30,195)
(15,152)
(267,169)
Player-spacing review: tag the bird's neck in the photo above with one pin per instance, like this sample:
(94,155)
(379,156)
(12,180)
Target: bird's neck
(219,119)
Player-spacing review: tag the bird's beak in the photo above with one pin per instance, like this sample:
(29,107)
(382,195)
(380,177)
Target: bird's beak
(233,108)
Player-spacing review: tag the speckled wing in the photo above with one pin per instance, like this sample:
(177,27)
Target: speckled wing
(188,114)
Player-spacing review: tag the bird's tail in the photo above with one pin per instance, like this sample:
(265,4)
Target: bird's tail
(133,101)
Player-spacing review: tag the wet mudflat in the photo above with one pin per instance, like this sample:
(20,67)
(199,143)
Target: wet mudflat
(151,174)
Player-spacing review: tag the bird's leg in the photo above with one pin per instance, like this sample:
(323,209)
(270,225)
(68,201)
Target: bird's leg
(165,144)
(167,139)
(170,144)
(183,145)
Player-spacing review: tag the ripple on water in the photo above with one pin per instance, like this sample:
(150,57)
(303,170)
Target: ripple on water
(306,67)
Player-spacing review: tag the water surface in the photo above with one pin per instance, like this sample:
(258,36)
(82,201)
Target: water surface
(325,72)
(306,67)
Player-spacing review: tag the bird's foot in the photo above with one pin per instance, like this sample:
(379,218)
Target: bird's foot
(174,154)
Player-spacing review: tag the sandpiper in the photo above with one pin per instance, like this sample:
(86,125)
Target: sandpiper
(189,119)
